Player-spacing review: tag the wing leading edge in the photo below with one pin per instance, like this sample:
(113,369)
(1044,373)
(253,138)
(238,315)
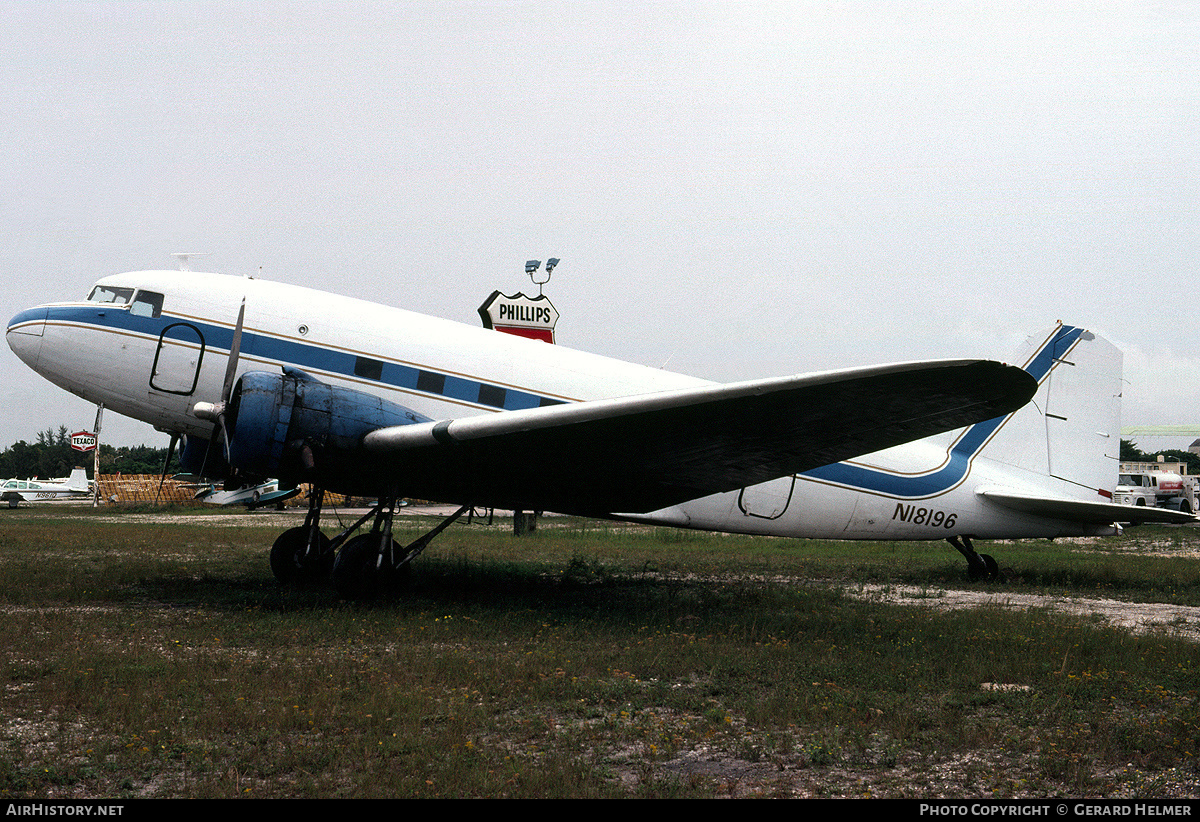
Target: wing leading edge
(645,452)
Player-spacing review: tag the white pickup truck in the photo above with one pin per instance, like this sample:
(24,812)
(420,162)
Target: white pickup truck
(1135,489)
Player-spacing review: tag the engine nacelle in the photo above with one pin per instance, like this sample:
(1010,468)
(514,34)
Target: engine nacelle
(294,427)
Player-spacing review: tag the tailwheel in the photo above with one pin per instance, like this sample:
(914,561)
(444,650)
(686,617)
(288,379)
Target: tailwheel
(979,566)
(991,567)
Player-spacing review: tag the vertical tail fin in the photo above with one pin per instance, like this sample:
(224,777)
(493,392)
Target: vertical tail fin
(78,480)
(1071,428)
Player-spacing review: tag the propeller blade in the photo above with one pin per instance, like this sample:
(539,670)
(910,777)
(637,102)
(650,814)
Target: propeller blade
(224,436)
(214,412)
(204,463)
(166,465)
(235,350)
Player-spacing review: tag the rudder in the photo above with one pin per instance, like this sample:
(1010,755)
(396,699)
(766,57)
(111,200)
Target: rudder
(1070,430)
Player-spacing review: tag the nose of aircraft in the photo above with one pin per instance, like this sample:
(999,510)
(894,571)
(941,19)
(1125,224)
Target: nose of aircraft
(25,332)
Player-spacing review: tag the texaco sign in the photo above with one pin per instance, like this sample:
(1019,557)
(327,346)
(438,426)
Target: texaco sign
(83,441)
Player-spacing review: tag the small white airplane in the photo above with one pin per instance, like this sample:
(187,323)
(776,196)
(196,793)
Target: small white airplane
(262,379)
(76,486)
(257,495)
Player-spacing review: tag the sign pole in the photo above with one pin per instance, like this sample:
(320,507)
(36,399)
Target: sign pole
(96,458)
(530,317)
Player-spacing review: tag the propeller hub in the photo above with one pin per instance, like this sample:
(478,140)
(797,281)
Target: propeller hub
(210,411)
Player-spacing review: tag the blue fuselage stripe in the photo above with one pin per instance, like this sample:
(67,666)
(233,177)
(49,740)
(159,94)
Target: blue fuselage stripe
(454,387)
(299,354)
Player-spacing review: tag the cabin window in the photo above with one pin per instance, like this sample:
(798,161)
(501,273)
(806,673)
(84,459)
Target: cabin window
(430,382)
(492,395)
(108,294)
(368,368)
(146,304)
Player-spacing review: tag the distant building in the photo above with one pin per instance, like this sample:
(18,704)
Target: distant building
(1160,466)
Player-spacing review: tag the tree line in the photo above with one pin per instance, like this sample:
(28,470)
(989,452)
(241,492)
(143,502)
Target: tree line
(1131,453)
(52,456)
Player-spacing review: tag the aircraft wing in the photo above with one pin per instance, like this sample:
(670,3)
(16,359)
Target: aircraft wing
(1100,513)
(645,452)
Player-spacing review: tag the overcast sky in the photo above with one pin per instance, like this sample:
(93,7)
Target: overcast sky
(735,189)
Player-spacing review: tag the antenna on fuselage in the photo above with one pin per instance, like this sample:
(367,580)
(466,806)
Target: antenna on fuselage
(184,256)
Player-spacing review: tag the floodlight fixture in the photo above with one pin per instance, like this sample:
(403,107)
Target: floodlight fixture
(531,268)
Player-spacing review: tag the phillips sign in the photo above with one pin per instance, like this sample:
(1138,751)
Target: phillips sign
(532,317)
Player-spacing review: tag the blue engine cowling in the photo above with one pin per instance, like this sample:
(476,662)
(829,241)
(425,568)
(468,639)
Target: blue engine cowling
(294,427)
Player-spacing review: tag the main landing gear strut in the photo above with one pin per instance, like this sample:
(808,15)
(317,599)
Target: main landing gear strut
(979,566)
(361,567)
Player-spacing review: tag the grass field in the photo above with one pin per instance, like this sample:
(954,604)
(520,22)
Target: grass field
(155,656)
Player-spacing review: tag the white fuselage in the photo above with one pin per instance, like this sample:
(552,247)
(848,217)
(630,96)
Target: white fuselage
(162,344)
(73,487)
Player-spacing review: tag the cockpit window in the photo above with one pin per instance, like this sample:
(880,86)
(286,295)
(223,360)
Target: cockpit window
(108,294)
(146,304)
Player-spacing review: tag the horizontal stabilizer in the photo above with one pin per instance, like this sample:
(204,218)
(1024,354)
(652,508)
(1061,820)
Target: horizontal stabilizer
(645,452)
(1099,513)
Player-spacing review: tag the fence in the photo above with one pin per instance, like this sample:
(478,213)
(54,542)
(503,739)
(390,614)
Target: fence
(144,488)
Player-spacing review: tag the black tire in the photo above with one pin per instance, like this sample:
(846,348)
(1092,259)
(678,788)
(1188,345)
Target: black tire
(290,566)
(355,575)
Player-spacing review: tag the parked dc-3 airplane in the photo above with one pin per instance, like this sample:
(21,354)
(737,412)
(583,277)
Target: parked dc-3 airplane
(261,379)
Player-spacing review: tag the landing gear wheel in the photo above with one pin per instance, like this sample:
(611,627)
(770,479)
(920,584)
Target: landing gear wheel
(292,563)
(983,567)
(979,566)
(976,571)
(358,573)
(373,563)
